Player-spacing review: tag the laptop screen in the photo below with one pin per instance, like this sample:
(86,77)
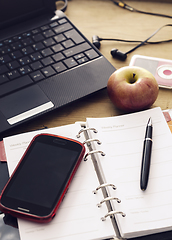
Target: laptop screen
(12,11)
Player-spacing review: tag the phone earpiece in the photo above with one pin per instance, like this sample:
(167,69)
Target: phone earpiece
(96,41)
(118,54)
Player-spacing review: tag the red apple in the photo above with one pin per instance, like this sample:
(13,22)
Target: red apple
(132,88)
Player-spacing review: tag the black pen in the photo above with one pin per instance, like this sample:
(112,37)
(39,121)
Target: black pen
(146,157)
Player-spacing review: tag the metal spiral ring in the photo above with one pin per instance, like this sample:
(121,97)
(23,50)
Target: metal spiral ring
(92,152)
(112,213)
(104,185)
(108,199)
(86,129)
(92,140)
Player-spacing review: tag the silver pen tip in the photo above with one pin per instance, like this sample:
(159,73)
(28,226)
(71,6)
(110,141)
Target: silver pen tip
(149,122)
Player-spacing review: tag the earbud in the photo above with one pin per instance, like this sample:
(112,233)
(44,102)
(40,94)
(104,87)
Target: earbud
(114,52)
(96,41)
(118,54)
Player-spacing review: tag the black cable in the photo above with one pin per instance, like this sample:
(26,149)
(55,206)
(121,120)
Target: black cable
(127,7)
(63,9)
(134,41)
(146,41)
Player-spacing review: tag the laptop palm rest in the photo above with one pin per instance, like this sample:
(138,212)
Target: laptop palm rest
(24,104)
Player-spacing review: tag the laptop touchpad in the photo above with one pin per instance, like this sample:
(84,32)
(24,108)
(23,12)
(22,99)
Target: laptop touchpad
(24,104)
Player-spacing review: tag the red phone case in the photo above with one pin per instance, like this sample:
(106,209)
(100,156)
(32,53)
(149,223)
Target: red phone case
(49,217)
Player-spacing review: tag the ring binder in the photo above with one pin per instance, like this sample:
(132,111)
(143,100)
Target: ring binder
(86,129)
(112,213)
(100,216)
(108,199)
(104,185)
(91,140)
(92,152)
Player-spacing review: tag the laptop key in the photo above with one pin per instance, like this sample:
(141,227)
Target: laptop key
(37,76)
(15,85)
(27,50)
(8,41)
(53,24)
(5,59)
(60,38)
(78,56)
(68,43)
(48,42)
(3,78)
(61,21)
(58,56)
(46,52)
(38,37)
(70,62)
(59,67)
(48,33)
(91,54)
(38,46)
(24,70)
(82,60)
(57,48)
(77,49)
(35,31)
(16,54)
(26,34)
(5,49)
(62,28)
(27,41)
(47,61)
(16,45)
(13,74)
(75,36)
(36,65)
(45,27)
(16,38)
(24,60)
(35,56)
(48,71)
(12,65)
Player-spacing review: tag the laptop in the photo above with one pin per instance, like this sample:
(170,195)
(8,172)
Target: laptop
(44,63)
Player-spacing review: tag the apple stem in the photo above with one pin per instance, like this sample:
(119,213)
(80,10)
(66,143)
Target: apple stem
(132,79)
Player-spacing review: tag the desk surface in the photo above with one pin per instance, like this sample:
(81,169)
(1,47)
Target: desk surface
(103,18)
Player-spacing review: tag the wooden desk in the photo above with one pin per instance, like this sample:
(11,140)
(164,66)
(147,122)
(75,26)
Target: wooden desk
(103,18)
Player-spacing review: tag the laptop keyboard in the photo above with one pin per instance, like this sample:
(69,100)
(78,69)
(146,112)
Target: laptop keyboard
(41,53)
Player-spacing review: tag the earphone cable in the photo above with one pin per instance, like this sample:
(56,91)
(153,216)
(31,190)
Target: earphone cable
(63,9)
(134,41)
(127,7)
(146,41)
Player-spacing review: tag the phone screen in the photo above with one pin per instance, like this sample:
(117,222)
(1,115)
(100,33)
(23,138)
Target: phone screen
(42,175)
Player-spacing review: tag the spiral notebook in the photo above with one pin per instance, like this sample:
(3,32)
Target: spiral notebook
(105,200)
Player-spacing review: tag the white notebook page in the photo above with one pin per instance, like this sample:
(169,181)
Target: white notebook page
(122,139)
(78,216)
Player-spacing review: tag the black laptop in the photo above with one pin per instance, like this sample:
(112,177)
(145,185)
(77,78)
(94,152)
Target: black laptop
(44,63)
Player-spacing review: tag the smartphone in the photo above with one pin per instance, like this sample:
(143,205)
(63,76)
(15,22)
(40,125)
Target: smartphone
(39,182)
